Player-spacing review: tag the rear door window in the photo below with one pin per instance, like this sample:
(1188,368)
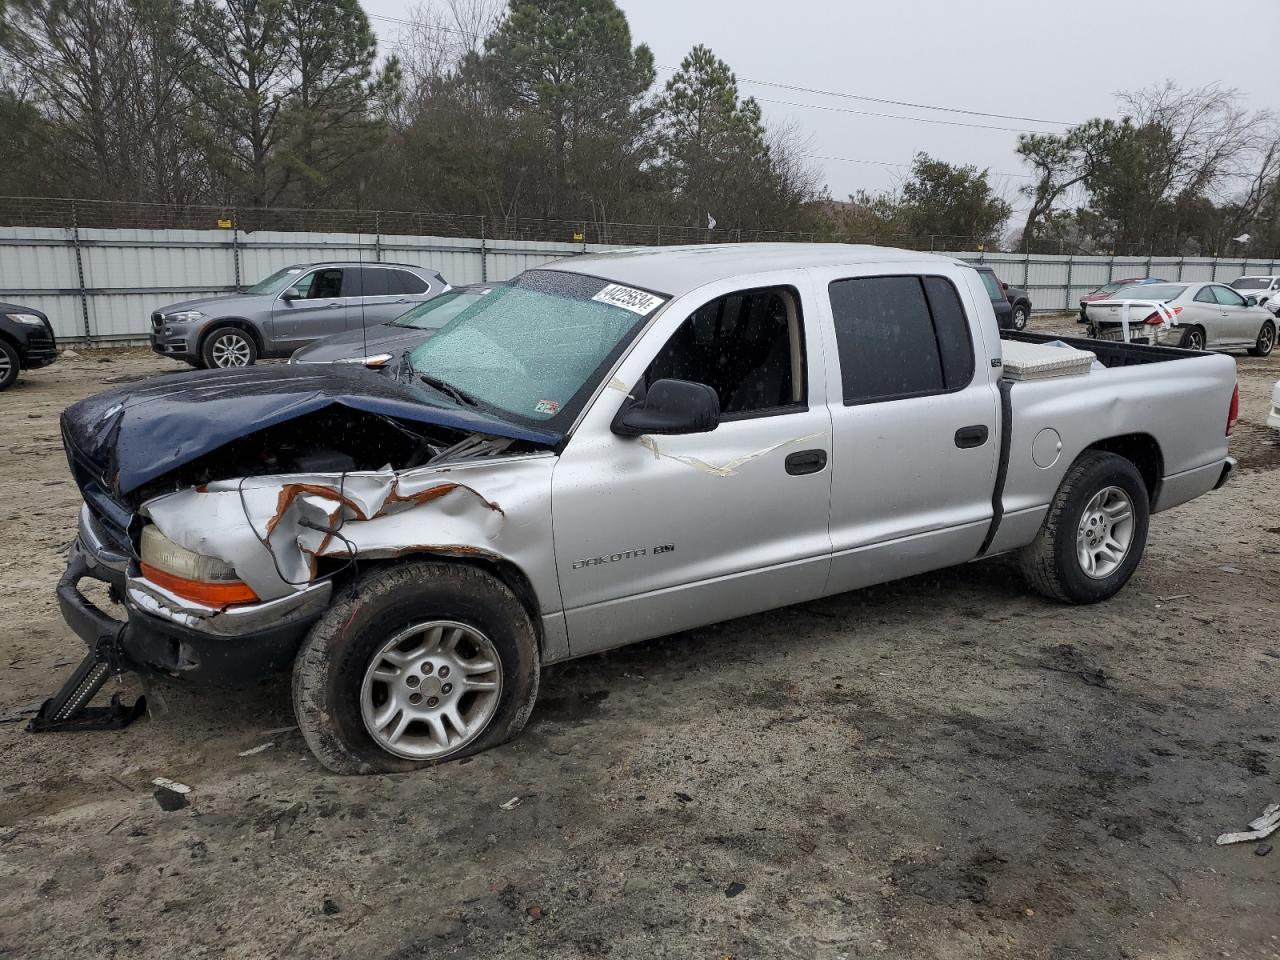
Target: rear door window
(900,337)
(992,284)
(375,282)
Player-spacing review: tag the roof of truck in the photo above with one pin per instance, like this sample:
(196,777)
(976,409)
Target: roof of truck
(677,270)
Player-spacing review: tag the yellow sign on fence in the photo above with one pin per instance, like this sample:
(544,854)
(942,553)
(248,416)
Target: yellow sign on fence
(579,237)
(224,224)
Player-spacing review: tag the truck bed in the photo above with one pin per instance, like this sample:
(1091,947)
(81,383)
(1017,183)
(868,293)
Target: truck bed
(1109,353)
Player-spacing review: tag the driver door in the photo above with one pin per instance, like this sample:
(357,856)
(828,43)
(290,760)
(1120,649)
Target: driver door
(657,534)
(316,306)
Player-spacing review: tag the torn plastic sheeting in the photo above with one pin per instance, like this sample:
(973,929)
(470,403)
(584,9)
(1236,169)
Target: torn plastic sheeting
(727,469)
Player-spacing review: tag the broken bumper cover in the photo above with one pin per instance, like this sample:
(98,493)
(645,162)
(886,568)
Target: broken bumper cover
(168,636)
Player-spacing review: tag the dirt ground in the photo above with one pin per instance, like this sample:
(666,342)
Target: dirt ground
(946,767)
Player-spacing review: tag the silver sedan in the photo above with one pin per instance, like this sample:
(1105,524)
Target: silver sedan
(1197,315)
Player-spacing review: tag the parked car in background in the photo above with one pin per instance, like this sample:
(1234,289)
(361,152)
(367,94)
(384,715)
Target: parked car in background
(1105,291)
(1200,316)
(289,309)
(612,448)
(1009,315)
(1266,289)
(26,342)
(378,345)
(1273,418)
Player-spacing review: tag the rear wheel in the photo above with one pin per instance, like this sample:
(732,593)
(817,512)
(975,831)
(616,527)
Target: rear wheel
(229,347)
(1193,339)
(10,364)
(1094,535)
(1266,340)
(1019,317)
(418,664)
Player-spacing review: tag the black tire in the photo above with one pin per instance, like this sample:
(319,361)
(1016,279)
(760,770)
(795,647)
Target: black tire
(1193,338)
(10,364)
(221,343)
(1020,314)
(1051,564)
(1266,340)
(330,666)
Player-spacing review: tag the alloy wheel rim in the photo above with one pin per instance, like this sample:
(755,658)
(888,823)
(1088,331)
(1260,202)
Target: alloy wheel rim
(1019,318)
(6,366)
(1105,533)
(1268,339)
(230,350)
(431,689)
(1194,341)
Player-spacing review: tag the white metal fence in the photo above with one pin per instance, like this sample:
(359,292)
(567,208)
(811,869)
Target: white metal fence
(101,285)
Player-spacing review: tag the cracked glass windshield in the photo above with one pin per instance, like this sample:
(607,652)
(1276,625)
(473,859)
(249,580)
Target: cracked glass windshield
(533,349)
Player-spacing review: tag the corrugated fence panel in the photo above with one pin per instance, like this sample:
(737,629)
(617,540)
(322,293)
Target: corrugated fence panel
(129,273)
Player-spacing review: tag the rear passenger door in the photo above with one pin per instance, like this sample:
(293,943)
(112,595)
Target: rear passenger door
(388,292)
(915,425)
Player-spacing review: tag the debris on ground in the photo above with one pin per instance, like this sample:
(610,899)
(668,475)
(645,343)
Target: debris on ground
(258,749)
(1262,849)
(1230,569)
(173,785)
(733,889)
(330,907)
(510,804)
(1259,828)
(533,911)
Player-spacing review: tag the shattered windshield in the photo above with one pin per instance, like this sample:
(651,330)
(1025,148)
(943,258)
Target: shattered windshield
(276,282)
(534,350)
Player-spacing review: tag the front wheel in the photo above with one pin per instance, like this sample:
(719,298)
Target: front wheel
(1266,340)
(417,664)
(10,364)
(1019,317)
(229,347)
(1093,537)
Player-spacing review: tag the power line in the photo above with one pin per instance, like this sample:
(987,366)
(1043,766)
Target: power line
(900,103)
(473,36)
(908,166)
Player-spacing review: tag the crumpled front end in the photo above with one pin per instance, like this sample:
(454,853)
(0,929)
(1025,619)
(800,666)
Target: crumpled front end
(287,540)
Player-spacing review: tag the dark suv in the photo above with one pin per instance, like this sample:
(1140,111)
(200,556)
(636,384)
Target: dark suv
(1011,304)
(26,342)
(289,309)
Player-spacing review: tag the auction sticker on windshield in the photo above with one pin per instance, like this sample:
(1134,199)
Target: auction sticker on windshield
(628,298)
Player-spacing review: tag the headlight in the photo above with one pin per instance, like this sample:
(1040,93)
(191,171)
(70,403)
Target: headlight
(191,575)
(376,360)
(30,318)
(184,316)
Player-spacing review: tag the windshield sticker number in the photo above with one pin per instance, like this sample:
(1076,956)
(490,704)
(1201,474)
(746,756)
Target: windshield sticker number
(628,298)
(547,406)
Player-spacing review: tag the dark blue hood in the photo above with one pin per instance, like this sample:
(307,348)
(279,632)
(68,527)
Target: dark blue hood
(130,436)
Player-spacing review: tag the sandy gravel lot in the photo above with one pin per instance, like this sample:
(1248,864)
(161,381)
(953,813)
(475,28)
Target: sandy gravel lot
(946,767)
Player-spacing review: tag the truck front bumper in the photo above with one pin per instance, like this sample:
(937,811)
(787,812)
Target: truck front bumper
(170,637)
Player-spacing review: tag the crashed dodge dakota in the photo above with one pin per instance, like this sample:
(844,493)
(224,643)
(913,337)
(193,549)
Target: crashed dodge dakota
(614,447)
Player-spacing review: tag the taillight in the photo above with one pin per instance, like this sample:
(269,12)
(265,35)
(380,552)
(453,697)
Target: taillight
(1233,414)
(1156,318)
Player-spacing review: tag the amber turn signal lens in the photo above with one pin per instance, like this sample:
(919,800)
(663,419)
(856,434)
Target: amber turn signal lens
(210,594)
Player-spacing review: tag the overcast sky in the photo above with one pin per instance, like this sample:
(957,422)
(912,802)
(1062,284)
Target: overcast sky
(1059,61)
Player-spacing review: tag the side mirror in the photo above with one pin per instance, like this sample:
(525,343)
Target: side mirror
(669,407)
(1251,301)
(290,295)
(1004,286)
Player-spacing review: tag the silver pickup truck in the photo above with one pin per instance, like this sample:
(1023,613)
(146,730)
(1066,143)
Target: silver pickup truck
(613,448)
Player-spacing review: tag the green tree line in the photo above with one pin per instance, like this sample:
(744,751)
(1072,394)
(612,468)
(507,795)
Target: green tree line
(551,109)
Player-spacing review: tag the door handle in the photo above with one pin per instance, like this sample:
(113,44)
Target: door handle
(974,436)
(806,461)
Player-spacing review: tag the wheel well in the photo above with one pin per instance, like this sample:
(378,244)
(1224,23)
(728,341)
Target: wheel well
(506,571)
(1142,450)
(244,325)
